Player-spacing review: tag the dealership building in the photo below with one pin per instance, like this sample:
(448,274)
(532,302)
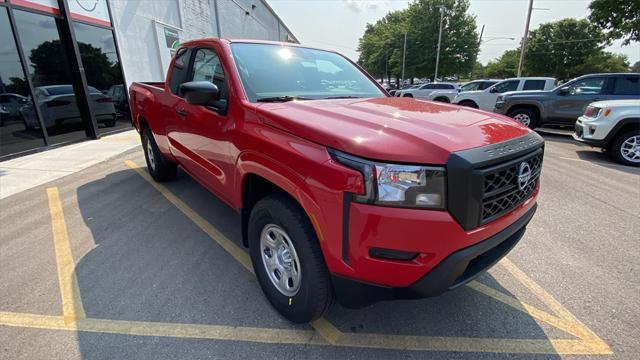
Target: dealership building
(65,65)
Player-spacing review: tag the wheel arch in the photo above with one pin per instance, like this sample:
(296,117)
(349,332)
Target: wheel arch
(623,126)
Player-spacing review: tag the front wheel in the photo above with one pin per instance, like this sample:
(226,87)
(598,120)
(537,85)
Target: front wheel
(526,117)
(287,259)
(626,148)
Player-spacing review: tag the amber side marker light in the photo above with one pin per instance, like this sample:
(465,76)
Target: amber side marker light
(607,112)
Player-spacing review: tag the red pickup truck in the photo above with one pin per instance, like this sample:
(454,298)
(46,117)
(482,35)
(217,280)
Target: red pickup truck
(343,191)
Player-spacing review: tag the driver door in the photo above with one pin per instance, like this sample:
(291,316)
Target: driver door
(205,134)
(570,103)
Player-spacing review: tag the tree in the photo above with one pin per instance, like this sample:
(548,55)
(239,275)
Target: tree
(505,66)
(635,67)
(381,46)
(620,18)
(556,48)
(602,62)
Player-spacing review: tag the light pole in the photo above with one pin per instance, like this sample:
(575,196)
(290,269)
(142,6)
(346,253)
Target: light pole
(524,39)
(404,54)
(442,8)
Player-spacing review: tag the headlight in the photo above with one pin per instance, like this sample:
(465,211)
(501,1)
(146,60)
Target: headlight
(397,184)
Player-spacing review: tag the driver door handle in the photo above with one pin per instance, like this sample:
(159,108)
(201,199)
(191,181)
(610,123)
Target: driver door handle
(182,113)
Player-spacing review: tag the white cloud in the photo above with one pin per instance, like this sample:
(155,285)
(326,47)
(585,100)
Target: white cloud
(360,5)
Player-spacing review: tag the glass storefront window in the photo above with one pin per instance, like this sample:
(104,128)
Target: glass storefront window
(51,76)
(16,134)
(102,69)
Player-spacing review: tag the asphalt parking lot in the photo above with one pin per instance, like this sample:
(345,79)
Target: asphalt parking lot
(105,264)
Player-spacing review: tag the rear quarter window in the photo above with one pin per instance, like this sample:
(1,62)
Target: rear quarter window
(627,85)
(534,85)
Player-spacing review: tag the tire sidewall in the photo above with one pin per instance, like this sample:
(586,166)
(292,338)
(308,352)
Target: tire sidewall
(617,145)
(302,306)
(533,119)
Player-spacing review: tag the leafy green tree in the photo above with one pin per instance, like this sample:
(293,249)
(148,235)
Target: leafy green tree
(505,66)
(381,46)
(602,62)
(620,18)
(556,48)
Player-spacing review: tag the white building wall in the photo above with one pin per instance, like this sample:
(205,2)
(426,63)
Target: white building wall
(135,23)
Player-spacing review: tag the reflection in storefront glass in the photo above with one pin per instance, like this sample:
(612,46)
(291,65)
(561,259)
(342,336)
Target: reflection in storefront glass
(103,72)
(50,73)
(15,134)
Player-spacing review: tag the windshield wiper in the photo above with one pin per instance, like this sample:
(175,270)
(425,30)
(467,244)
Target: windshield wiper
(343,97)
(281,98)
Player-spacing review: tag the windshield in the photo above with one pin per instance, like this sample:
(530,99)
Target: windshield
(270,71)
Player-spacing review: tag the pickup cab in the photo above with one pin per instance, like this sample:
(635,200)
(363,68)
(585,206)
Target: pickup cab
(343,191)
(486,99)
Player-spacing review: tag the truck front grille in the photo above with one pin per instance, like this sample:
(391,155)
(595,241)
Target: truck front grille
(503,190)
(487,182)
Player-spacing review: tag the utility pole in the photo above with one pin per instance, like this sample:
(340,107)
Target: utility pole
(439,42)
(480,41)
(524,39)
(404,54)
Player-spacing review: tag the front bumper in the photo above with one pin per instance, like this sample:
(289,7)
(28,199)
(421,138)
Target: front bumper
(591,132)
(457,269)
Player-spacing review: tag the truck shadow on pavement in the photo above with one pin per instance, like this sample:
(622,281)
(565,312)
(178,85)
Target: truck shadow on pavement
(152,263)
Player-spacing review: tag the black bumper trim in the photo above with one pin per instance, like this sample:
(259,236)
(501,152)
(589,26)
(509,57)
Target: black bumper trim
(454,271)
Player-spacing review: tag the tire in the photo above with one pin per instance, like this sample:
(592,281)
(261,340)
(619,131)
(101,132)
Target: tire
(468,103)
(625,149)
(159,167)
(280,218)
(407,95)
(525,116)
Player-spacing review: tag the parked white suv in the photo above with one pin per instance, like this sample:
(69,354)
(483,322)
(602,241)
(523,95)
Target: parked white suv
(613,125)
(423,91)
(486,99)
(449,95)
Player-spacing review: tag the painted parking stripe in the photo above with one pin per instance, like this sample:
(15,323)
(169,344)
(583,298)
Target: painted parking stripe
(69,290)
(585,343)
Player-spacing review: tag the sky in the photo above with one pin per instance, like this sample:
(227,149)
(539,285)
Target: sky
(338,24)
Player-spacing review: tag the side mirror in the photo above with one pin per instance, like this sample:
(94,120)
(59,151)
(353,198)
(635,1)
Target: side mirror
(493,90)
(200,92)
(564,90)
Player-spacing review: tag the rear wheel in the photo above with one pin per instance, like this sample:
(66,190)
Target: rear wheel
(626,148)
(468,103)
(287,259)
(526,117)
(160,168)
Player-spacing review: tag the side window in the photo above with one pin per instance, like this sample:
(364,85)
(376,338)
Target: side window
(534,85)
(428,86)
(511,85)
(179,71)
(627,85)
(588,86)
(207,67)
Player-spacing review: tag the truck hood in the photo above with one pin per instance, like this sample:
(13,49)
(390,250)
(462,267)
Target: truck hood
(391,129)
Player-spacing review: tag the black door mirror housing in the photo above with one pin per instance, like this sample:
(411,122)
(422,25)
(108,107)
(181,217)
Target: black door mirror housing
(564,90)
(200,92)
(493,90)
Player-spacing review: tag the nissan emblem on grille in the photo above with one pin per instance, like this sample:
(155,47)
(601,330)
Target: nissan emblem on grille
(524,175)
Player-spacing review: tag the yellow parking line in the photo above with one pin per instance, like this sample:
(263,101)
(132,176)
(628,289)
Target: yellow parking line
(69,290)
(233,249)
(325,333)
(551,302)
(305,337)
